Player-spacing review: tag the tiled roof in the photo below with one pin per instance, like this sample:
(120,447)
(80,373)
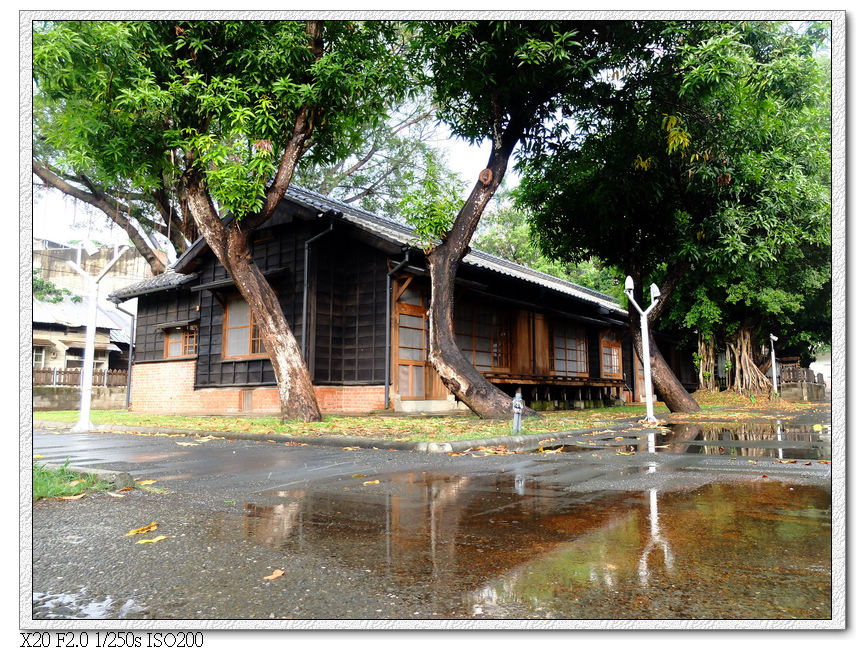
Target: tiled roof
(388,229)
(166,280)
(402,234)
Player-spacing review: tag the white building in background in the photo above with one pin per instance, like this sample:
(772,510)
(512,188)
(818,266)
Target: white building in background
(823,365)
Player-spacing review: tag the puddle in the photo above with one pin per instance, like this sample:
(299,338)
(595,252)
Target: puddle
(514,546)
(80,606)
(751,439)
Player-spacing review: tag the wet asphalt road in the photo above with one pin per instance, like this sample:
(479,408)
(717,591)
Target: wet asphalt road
(591,531)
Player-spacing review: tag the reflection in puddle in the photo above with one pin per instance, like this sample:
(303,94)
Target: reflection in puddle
(752,439)
(512,545)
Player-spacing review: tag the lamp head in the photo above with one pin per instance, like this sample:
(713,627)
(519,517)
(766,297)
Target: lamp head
(629,284)
(655,292)
(773,337)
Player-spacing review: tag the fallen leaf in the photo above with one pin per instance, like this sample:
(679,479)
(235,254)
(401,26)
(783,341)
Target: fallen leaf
(785,461)
(73,483)
(38,456)
(187,444)
(205,439)
(375,482)
(358,475)
(72,498)
(624,453)
(147,482)
(277,573)
(144,529)
(114,494)
(151,541)
(753,462)
(124,489)
(764,476)
(824,462)
(808,463)
(351,448)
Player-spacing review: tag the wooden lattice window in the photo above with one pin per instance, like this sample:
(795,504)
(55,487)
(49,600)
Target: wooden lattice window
(611,354)
(181,341)
(240,336)
(569,352)
(483,335)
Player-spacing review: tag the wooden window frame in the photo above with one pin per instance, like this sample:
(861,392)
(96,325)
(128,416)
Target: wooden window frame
(44,352)
(500,346)
(615,346)
(253,335)
(188,339)
(579,340)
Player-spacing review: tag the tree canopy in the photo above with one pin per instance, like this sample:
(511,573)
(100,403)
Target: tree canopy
(710,162)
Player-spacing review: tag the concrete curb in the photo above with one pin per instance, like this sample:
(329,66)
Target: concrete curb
(511,443)
(118,479)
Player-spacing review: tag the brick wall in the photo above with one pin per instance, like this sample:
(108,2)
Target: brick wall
(167,387)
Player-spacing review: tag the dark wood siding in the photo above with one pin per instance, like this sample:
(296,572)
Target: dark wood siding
(348,313)
(155,309)
(279,254)
(346,336)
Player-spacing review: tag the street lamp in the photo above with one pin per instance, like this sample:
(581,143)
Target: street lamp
(772,339)
(92,284)
(644,327)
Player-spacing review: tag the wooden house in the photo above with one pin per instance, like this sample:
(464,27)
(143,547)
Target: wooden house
(355,291)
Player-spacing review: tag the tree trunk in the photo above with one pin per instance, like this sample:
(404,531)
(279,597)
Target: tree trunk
(748,377)
(231,247)
(706,368)
(668,386)
(456,372)
(296,394)
(670,389)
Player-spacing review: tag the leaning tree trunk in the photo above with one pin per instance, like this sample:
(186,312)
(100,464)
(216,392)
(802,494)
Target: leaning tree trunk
(747,376)
(296,393)
(231,247)
(668,386)
(456,372)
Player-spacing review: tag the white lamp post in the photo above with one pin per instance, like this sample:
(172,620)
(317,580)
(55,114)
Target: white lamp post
(772,339)
(644,327)
(92,283)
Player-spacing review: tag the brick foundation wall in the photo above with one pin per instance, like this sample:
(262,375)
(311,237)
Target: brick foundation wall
(168,388)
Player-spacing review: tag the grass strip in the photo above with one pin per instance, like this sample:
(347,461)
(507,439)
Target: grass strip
(52,483)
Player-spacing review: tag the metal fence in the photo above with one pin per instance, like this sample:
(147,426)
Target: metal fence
(72,377)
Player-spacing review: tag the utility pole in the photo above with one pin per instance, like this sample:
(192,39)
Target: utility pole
(772,339)
(92,284)
(644,327)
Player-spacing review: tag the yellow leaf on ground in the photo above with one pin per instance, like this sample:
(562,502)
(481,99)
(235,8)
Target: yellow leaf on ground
(351,448)
(625,453)
(277,573)
(147,482)
(187,444)
(72,498)
(375,482)
(144,529)
(358,475)
(205,439)
(151,541)
(114,494)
